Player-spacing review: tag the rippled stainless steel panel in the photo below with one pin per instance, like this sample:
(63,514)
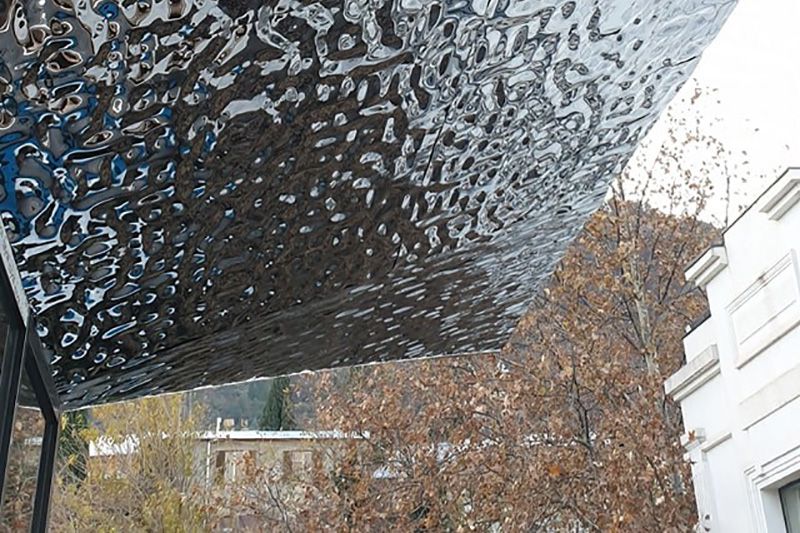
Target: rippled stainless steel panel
(200,192)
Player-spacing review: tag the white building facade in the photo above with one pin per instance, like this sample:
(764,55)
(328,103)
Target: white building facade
(739,389)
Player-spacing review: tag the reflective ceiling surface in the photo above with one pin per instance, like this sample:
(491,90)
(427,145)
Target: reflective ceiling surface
(200,192)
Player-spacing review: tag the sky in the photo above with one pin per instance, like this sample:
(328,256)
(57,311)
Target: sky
(753,65)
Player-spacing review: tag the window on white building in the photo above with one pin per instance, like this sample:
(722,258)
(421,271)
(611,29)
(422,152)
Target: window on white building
(790,501)
(297,462)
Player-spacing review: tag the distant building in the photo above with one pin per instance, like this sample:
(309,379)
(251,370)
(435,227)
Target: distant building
(295,454)
(739,389)
(262,470)
(220,454)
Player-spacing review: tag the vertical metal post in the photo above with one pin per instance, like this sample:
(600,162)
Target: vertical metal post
(10,375)
(44,478)
(38,371)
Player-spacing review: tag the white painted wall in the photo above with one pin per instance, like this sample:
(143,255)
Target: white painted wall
(741,408)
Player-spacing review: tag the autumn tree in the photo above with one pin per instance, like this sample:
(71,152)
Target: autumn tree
(73,448)
(144,477)
(17,505)
(568,427)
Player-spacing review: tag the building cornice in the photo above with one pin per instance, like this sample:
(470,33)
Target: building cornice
(711,263)
(770,398)
(715,441)
(783,195)
(693,439)
(694,374)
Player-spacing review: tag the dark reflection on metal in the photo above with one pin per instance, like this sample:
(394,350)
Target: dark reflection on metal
(205,191)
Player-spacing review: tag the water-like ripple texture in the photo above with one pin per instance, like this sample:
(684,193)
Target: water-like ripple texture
(201,191)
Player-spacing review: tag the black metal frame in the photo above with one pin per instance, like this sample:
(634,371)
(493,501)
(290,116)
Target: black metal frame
(23,352)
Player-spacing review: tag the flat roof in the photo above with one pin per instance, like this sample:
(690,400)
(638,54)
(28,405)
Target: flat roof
(246,434)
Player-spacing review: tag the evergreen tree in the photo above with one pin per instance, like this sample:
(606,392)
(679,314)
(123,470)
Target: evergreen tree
(276,414)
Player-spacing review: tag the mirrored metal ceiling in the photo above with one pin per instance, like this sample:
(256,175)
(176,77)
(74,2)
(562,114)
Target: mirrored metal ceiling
(200,191)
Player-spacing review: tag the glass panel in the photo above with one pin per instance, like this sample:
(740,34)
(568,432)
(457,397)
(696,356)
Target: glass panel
(3,333)
(790,500)
(3,328)
(26,396)
(23,463)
